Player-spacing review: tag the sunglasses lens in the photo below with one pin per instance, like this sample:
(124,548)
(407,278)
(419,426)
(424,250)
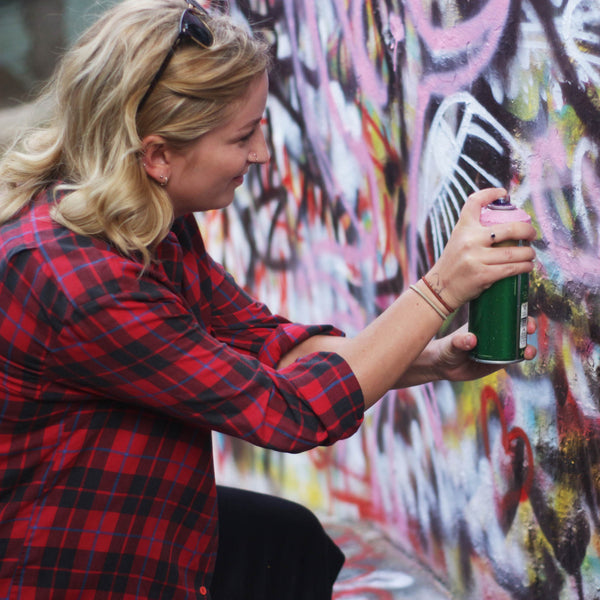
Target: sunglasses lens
(197,29)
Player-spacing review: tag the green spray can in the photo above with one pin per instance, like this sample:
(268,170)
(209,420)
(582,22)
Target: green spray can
(499,316)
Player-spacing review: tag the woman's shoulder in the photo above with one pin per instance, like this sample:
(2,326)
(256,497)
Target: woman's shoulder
(29,228)
(34,230)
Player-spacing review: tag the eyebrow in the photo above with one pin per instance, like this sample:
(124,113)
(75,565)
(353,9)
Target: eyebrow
(251,124)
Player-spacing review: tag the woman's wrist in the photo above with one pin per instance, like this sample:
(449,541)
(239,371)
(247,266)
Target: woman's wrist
(431,296)
(424,369)
(437,295)
(438,286)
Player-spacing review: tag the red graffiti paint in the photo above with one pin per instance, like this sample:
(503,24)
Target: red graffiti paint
(518,486)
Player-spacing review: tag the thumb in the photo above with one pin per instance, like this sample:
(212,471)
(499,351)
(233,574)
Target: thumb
(464,341)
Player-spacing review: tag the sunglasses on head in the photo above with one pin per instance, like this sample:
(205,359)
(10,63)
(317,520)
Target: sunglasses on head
(192,25)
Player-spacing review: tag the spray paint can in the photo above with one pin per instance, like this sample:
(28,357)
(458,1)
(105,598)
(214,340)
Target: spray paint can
(499,316)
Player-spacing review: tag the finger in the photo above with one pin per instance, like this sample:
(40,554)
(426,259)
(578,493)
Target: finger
(476,201)
(517,230)
(495,273)
(530,352)
(509,254)
(531,325)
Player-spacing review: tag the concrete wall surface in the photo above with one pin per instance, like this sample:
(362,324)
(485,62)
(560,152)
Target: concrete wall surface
(383,116)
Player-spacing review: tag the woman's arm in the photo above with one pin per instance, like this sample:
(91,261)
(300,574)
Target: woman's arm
(443,358)
(449,358)
(396,348)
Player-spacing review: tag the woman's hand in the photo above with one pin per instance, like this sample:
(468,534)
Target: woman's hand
(451,358)
(470,262)
(395,349)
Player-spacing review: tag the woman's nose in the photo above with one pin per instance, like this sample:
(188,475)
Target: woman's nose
(260,152)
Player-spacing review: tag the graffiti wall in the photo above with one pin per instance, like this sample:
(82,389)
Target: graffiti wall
(383,116)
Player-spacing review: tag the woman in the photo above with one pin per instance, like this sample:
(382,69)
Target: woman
(124,344)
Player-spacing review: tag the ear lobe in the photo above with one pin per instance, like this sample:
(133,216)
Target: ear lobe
(155,158)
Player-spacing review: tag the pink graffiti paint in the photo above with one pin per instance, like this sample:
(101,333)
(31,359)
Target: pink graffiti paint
(397,33)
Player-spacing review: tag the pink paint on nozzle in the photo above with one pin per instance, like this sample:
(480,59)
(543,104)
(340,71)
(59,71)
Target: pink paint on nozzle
(502,211)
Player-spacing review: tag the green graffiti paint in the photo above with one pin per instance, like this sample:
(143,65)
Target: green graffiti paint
(499,316)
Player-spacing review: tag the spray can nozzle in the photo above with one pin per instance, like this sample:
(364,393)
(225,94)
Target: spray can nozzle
(502,203)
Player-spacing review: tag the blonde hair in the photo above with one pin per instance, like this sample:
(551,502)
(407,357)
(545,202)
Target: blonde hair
(91,141)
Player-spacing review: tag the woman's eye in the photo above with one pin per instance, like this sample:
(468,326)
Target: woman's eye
(247,137)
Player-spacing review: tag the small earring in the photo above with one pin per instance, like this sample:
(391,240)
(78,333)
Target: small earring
(164,180)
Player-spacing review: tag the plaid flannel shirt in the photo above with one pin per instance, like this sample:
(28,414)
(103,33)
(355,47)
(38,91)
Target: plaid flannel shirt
(112,379)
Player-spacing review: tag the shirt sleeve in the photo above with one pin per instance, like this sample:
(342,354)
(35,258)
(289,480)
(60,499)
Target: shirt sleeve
(250,327)
(127,336)
(236,318)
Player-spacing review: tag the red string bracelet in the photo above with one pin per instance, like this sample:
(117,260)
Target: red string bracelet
(437,296)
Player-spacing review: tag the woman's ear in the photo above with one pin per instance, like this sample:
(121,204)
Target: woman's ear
(155,159)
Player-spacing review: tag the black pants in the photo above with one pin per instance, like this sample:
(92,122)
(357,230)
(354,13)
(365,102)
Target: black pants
(271,549)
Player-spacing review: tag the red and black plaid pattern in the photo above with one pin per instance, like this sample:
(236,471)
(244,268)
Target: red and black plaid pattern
(111,381)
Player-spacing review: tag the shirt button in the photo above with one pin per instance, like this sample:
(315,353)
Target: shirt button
(203,591)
